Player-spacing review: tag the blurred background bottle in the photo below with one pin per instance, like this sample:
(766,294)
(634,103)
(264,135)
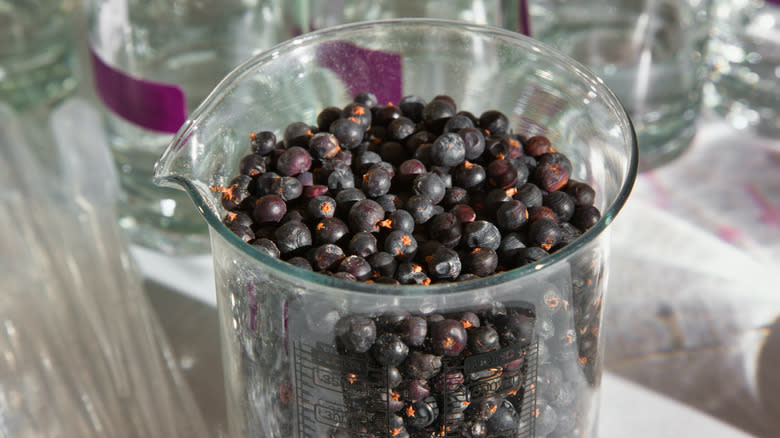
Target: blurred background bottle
(36,51)
(306,15)
(650,53)
(153,62)
(745,55)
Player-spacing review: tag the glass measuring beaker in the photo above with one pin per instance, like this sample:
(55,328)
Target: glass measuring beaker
(280,325)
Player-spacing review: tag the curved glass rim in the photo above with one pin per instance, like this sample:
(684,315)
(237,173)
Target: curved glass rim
(325,281)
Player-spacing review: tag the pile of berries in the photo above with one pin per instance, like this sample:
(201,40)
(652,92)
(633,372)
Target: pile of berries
(413,193)
(467,375)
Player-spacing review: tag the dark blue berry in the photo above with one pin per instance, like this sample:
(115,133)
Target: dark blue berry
(293,161)
(287,187)
(531,254)
(263,142)
(325,257)
(383,263)
(582,193)
(480,261)
(292,236)
(448,150)
(321,207)
(464,213)
(358,113)
(357,266)
(446,229)
(266,246)
(457,123)
(560,203)
(473,142)
(401,244)
(431,186)
(340,179)
(348,132)
(362,244)
(389,202)
(376,182)
(355,334)
(252,164)
(544,232)
(495,122)
(511,216)
(386,114)
(422,413)
(399,220)
(469,175)
(421,208)
(401,128)
(324,145)
(448,337)
(420,365)
(412,107)
(501,173)
(346,198)
(516,328)
(483,339)
(411,273)
(481,234)
(455,195)
(389,350)
(330,230)
(504,420)
(444,264)
(300,262)
(297,134)
(365,215)
(269,208)
(585,217)
(326,117)
(537,145)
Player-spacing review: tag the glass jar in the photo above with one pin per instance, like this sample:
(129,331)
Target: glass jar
(284,329)
(153,63)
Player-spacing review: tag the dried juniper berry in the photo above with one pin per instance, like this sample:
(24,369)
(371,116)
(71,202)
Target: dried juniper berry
(383,264)
(464,213)
(386,114)
(266,246)
(544,232)
(401,244)
(326,117)
(422,413)
(297,134)
(330,230)
(376,182)
(358,113)
(342,275)
(511,216)
(413,330)
(537,145)
(348,133)
(321,207)
(324,145)
(300,262)
(421,208)
(483,339)
(233,196)
(364,215)
(261,184)
(292,236)
(438,110)
(346,198)
(269,208)
(411,273)
(529,194)
(455,195)
(480,261)
(481,234)
(501,173)
(421,365)
(362,161)
(494,122)
(444,264)
(585,217)
(504,420)
(449,150)
(362,244)
(473,142)
(550,176)
(293,161)
(243,232)
(429,185)
(287,187)
(399,220)
(389,350)
(582,193)
(457,123)
(531,254)
(505,147)
(252,164)
(469,175)
(448,337)
(541,211)
(401,128)
(357,266)
(325,257)
(355,333)
(560,203)
(412,107)
(262,143)
(446,229)
(340,179)
(389,202)
(510,244)
(237,218)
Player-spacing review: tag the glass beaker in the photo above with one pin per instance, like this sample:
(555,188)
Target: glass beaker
(279,324)
(650,53)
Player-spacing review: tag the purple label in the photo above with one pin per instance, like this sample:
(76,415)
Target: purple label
(361,69)
(524,18)
(152,105)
